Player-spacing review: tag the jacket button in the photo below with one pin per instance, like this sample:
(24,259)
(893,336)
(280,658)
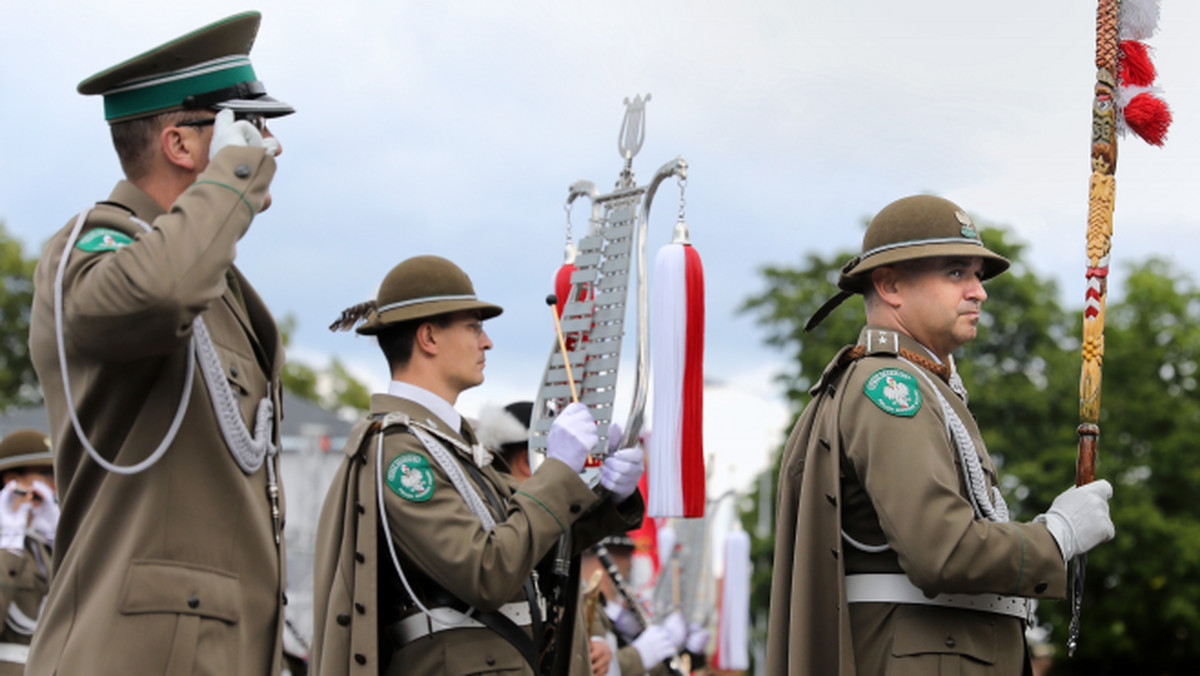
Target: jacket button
(360,509)
(283,598)
(343,619)
(491,661)
(358,556)
(832,500)
(1041,587)
(241,170)
(360,608)
(575,509)
(950,642)
(834,552)
(193,602)
(233,371)
(360,658)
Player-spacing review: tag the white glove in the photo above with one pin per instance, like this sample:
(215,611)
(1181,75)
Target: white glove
(697,639)
(654,646)
(46,512)
(1078,518)
(676,628)
(14,518)
(572,436)
(230,132)
(621,472)
(623,619)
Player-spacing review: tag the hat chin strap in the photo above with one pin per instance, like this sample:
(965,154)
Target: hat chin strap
(823,311)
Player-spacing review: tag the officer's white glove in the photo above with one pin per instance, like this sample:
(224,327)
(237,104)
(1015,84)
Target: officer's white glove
(654,646)
(623,619)
(1078,518)
(676,628)
(45,512)
(230,132)
(14,517)
(697,639)
(572,436)
(621,472)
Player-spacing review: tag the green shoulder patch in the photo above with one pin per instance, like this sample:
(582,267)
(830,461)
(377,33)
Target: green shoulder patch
(895,391)
(410,477)
(103,239)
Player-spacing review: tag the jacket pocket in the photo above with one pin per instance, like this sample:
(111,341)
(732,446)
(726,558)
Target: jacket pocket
(189,613)
(931,630)
(167,587)
(494,656)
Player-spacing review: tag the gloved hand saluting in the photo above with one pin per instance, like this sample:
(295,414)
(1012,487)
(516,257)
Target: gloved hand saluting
(1078,518)
(230,132)
(14,516)
(572,436)
(45,511)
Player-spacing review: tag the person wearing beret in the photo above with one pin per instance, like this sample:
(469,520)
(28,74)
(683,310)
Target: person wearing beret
(28,519)
(895,552)
(161,368)
(431,559)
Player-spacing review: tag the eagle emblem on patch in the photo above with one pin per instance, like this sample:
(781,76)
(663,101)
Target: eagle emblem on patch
(895,391)
(410,477)
(103,239)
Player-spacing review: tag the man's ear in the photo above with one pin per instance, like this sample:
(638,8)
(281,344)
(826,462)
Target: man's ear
(887,280)
(182,147)
(426,338)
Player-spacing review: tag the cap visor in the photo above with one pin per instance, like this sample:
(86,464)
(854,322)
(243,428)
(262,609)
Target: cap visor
(263,105)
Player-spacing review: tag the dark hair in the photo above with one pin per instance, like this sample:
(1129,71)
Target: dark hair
(134,139)
(397,340)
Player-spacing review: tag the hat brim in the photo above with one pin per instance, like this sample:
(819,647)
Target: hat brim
(377,321)
(262,105)
(45,460)
(855,279)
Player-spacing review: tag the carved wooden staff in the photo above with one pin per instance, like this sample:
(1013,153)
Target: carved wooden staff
(1125,100)
(1101,192)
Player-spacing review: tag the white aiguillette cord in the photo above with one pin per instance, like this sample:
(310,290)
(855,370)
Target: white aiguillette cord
(247,450)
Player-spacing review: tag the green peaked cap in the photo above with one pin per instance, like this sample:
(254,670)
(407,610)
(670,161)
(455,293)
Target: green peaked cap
(204,69)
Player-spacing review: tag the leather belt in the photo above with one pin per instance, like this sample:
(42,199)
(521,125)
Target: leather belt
(16,653)
(897,588)
(420,625)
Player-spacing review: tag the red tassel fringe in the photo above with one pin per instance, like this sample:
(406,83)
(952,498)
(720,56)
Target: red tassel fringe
(1149,117)
(693,391)
(1134,67)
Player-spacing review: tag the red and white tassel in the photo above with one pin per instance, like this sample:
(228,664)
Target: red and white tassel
(676,463)
(1140,109)
(733,625)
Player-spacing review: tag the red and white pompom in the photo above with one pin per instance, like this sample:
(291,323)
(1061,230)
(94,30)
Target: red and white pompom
(1140,107)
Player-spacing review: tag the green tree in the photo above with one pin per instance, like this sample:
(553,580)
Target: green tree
(333,387)
(1142,600)
(18,381)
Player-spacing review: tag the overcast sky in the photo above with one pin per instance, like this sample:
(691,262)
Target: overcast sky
(455,128)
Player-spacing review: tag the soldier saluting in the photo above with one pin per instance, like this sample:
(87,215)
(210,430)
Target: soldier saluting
(895,553)
(160,367)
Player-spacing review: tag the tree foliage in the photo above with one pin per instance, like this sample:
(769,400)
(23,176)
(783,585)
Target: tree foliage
(18,381)
(332,387)
(1142,600)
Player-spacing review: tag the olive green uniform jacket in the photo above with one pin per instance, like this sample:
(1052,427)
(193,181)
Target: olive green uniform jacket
(439,539)
(892,479)
(24,579)
(175,570)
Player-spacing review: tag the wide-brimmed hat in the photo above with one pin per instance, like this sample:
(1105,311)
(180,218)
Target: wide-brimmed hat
(418,288)
(25,448)
(911,228)
(205,69)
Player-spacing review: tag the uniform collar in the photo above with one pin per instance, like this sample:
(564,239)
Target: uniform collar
(432,402)
(131,197)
